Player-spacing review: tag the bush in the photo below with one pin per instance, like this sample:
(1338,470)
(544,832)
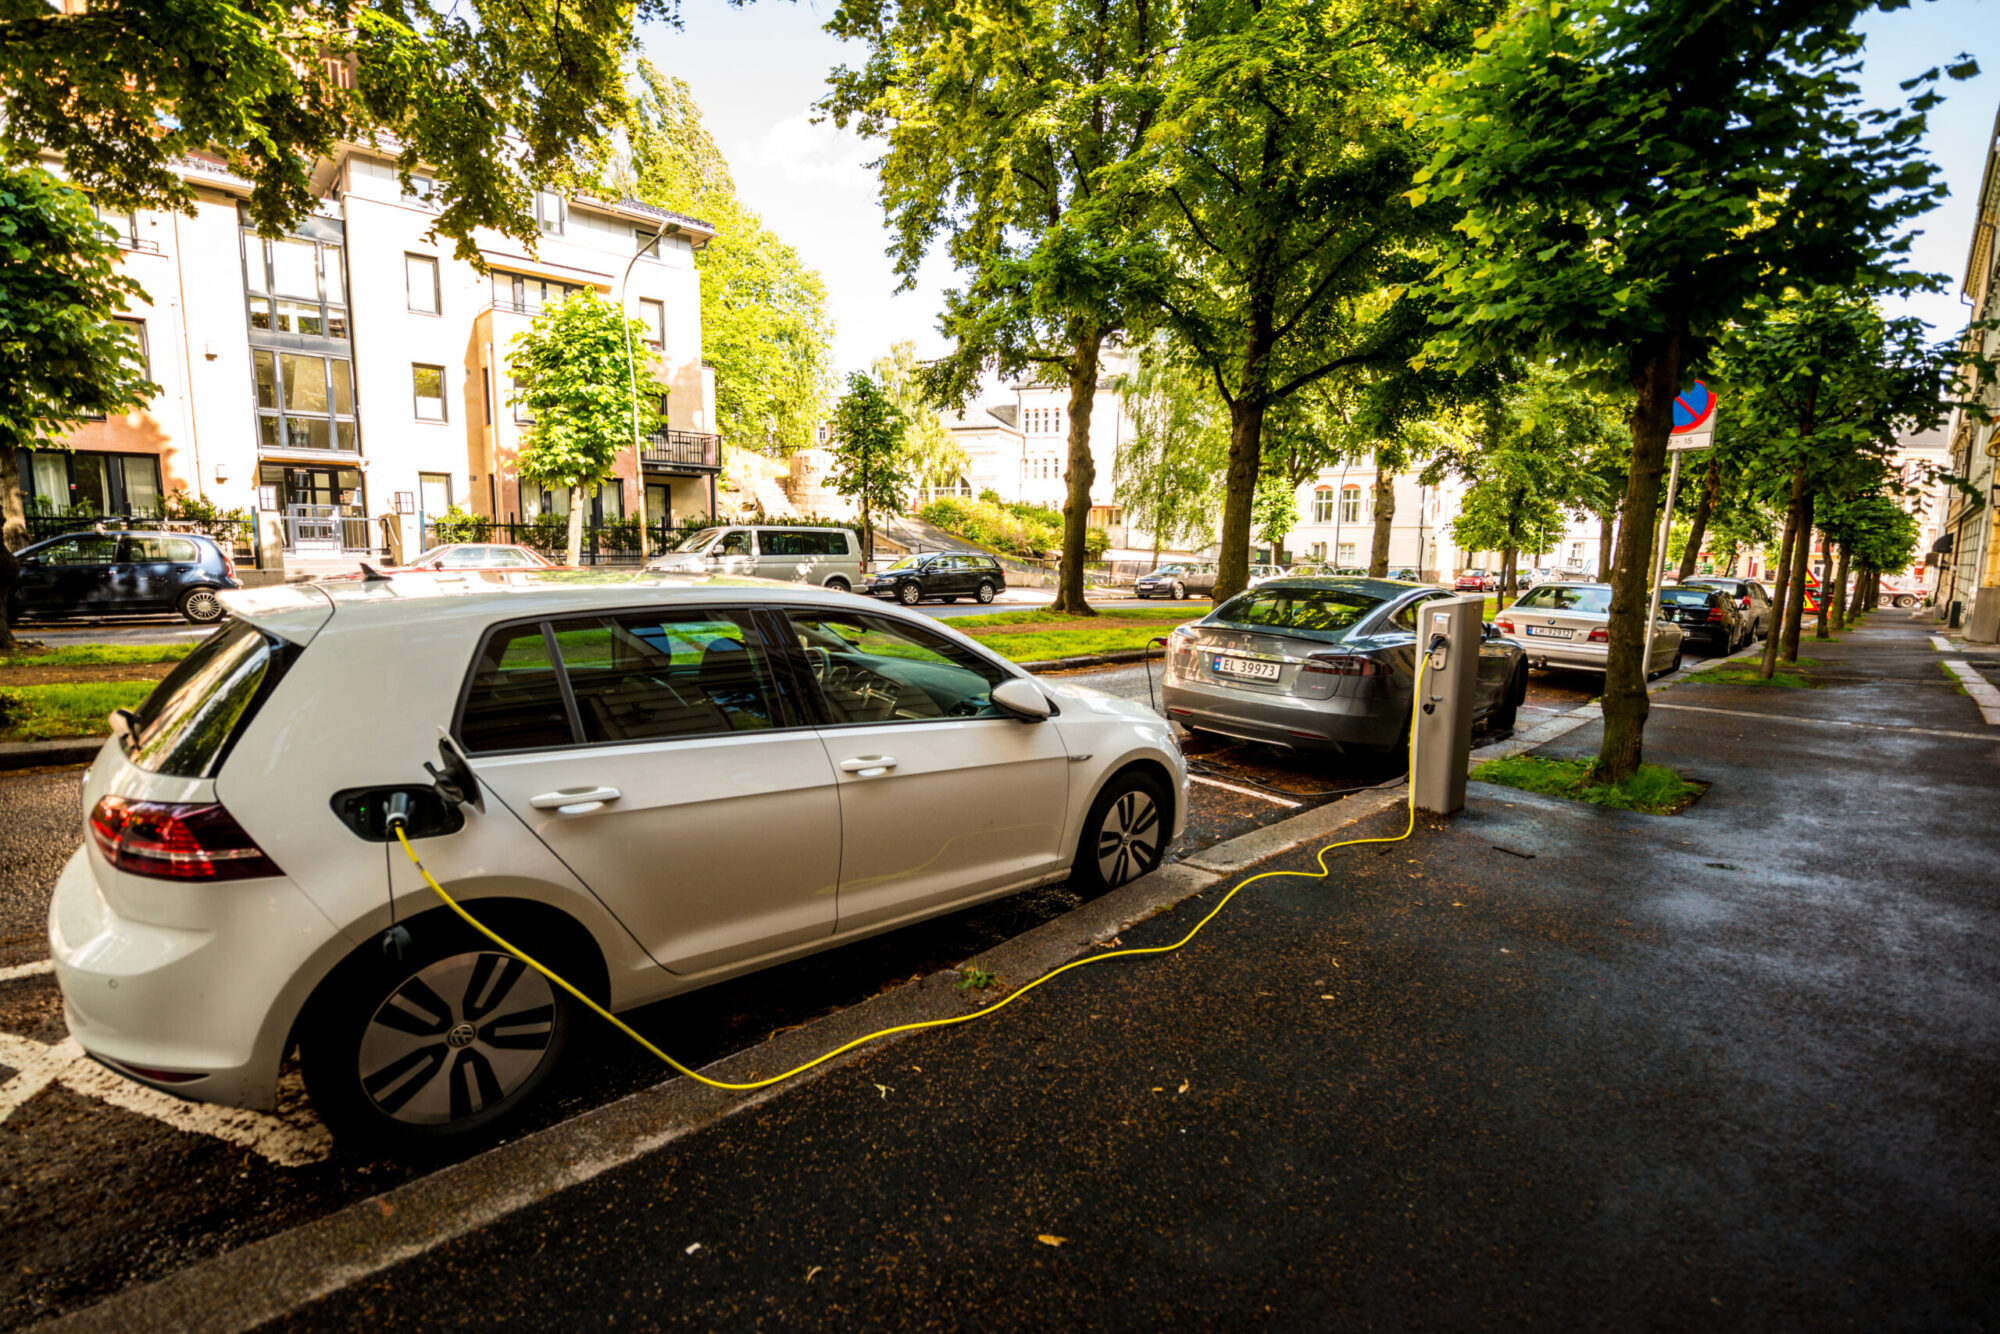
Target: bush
(459,525)
(1016,530)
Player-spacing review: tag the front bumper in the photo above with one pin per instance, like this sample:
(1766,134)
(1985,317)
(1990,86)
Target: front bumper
(216,1002)
(1372,720)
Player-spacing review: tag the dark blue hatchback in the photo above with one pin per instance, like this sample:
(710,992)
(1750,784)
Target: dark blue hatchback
(97,574)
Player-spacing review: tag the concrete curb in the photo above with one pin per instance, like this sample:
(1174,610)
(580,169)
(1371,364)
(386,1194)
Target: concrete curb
(1092,660)
(36,754)
(262,1281)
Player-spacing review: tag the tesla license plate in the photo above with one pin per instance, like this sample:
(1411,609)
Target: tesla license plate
(1250,667)
(1551,632)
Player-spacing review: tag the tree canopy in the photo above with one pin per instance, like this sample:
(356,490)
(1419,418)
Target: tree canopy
(764,321)
(1169,469)
(867,445)
(934,456)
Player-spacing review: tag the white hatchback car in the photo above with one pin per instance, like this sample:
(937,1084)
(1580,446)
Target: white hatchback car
(672,781)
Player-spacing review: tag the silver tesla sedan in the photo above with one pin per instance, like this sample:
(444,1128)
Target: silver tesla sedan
(1320,664)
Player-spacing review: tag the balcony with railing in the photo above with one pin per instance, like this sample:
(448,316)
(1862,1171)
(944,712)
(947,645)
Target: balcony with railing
(682,452)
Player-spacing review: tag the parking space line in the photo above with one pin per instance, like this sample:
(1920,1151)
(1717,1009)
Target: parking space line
(1982,690)
(1940,643)
(1246,791)
(27,970)
(37,1065)
(1830,722)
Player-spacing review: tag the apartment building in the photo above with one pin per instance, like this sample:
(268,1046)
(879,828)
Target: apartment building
(348,380)
(1967,547)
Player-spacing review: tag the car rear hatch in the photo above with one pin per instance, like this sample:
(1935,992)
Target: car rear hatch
(1309,661)
(1689,607)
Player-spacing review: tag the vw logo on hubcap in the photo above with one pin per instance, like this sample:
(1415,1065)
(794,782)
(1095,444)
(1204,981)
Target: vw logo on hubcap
(461,1035)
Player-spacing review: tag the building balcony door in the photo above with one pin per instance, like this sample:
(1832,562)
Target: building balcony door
(324,509)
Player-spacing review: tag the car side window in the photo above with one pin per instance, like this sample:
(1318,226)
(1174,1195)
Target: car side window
(734,543)
(871,669)
(648,676)
(516,700)
(1405,618)
(85,549)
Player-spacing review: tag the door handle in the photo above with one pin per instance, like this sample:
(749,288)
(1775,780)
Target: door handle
(868,766)
(574,801)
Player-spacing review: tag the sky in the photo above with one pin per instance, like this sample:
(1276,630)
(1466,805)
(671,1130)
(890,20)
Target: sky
(757,70)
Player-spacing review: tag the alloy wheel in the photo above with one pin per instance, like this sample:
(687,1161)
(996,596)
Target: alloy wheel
(456,1038)
(908,593)
(202,607)
(1128,842)
(986,592)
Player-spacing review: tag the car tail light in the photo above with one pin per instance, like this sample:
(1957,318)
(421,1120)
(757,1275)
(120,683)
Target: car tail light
(1744,602)
(1717,616)
(1505,627)
(228,566)
(174,840)
(1600,635)
(1342,664)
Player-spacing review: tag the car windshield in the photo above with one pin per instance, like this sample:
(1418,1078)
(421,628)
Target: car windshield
(1317,613)
(1591,599)
(1168,569)
(698,541)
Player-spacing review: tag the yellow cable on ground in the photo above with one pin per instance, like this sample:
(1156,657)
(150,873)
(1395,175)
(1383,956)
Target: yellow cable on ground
(629,1031)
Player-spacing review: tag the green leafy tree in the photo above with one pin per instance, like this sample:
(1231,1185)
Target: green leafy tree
(1168,470)
(1281,157)
(571,371)
(932,453)
(867,445)
(1002,120)
(764,321)
(1634,179)
(494,95)
(63,358)
(1276,512)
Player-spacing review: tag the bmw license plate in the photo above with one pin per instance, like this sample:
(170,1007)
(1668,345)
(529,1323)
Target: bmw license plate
(1551,632)
(1250,667)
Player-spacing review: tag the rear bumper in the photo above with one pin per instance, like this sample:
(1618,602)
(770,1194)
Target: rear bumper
(1573,654)
(1285,720)
(215,1002)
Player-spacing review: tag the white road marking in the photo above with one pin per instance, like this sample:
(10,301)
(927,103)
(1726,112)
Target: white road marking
(1246,791)
(27,970)
(286,1141)
(1940,643)
(1982,690)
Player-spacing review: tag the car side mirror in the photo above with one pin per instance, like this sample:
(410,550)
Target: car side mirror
(1022,699)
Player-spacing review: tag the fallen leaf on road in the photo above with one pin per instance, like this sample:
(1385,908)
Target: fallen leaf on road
(813,1272)
(1183,1088)
(1050,1239)
(883,1089)
(692,1249)
(1326,996)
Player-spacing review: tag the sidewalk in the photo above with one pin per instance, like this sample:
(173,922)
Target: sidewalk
(1543,1063)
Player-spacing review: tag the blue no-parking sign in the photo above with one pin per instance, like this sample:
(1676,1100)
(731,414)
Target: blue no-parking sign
(1694,418)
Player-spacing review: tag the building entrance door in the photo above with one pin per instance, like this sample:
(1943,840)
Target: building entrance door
(325,509)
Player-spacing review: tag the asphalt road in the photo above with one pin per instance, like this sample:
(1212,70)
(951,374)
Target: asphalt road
(1542,1065)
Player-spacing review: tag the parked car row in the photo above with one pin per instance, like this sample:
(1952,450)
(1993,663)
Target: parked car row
(109,573)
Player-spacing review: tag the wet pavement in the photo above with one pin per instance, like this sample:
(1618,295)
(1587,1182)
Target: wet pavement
(1541,1064)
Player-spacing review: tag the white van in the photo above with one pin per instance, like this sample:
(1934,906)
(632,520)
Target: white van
(830,557)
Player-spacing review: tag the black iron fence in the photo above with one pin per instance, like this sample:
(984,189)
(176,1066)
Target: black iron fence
(238,536)
(681,449)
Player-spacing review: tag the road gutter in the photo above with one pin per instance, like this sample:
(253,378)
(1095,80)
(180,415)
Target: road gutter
(260,1282)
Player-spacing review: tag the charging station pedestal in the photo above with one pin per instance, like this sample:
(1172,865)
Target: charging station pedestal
(1450,631)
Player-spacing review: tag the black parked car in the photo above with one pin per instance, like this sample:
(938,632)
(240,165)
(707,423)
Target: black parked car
(1751,599)
(1709,615)
(946,575)
(94,574)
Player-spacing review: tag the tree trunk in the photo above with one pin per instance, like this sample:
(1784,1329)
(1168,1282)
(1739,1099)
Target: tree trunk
(1246,446)
(575,545)
(1656,373)
(1510,560)
(13,536)
(1841,611)
(1082,470)
(1874,589)
(1698,525)
(1781,583)
(1607,528)
(1385,516)
(1795,598)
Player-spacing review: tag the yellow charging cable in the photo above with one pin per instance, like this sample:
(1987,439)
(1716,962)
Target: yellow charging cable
(1416,702)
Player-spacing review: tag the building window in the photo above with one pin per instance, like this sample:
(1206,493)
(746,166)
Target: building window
(88,482)
(607,502)
(521,413)
(1318,551)
(1347,557)
(550,212)
(304,401)
(653,314)
(486,379)
(125,224)
(1323,505)
(427,384)
(525,294)
(1350,504)
(433,493)
(296,286)
(420,276)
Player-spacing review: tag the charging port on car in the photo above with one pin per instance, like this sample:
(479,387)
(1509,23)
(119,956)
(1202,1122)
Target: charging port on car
(365,810)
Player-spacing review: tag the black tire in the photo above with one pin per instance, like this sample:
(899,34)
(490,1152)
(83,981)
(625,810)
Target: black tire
(1124,836)
(200,606)
(839,585)
(1675,665)
(1510,704)
(1906,601)
(909,593)
(1180,590)
(985,593)
(432,1076)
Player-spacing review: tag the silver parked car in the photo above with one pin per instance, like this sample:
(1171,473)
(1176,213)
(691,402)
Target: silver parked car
(1568,625)
(1177,579)
(1320,664)
(830,557)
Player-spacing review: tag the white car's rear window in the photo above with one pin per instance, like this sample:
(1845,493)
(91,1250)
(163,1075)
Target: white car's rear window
(186,725)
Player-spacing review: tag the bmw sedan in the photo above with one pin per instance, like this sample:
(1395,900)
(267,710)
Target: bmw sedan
(1320,664)
(659,784)
(1569,625)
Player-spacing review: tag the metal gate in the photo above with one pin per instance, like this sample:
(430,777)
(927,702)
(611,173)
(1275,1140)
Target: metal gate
(312,527)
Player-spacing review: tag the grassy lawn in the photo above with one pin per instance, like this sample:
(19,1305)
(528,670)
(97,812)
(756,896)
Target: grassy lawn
(1033,646)
(43,713)
(1655,789)
(85,655)
(1167,615)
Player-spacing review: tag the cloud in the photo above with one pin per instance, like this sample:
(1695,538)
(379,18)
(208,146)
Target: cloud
(820,156)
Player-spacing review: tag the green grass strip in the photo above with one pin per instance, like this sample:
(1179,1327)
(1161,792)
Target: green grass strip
(44,713)
(1654,790)
(1042,647)
(86,655)
(1166,614)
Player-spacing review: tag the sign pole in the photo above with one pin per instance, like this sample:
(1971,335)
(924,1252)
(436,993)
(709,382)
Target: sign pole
(1660,565)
